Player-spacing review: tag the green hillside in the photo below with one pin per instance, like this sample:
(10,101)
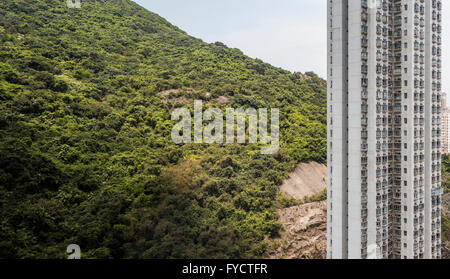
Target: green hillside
(86,155)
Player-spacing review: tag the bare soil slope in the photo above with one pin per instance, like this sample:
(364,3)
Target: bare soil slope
(306,180)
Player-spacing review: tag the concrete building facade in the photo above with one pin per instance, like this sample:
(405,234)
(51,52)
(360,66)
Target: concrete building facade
(384,129)
(445,125)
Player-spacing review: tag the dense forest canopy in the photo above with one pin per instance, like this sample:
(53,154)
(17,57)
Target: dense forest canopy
(86,155)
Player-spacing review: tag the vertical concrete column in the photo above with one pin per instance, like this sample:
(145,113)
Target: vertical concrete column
(337,121)
(408,127)
(428,129)
(372,128)
(354,129)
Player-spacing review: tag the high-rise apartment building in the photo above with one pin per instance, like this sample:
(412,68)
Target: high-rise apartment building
(445,125)
(384,129)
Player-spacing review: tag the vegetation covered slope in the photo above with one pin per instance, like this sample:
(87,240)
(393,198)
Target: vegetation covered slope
(446,207)
(85,150)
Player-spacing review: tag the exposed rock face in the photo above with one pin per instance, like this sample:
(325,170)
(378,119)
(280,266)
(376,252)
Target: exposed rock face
(446,211)
(304,77)
(446,204)
(222,100)
(304,233)
(445,251)
(184,96)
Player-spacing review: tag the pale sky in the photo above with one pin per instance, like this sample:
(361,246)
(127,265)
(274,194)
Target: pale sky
(290,34)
